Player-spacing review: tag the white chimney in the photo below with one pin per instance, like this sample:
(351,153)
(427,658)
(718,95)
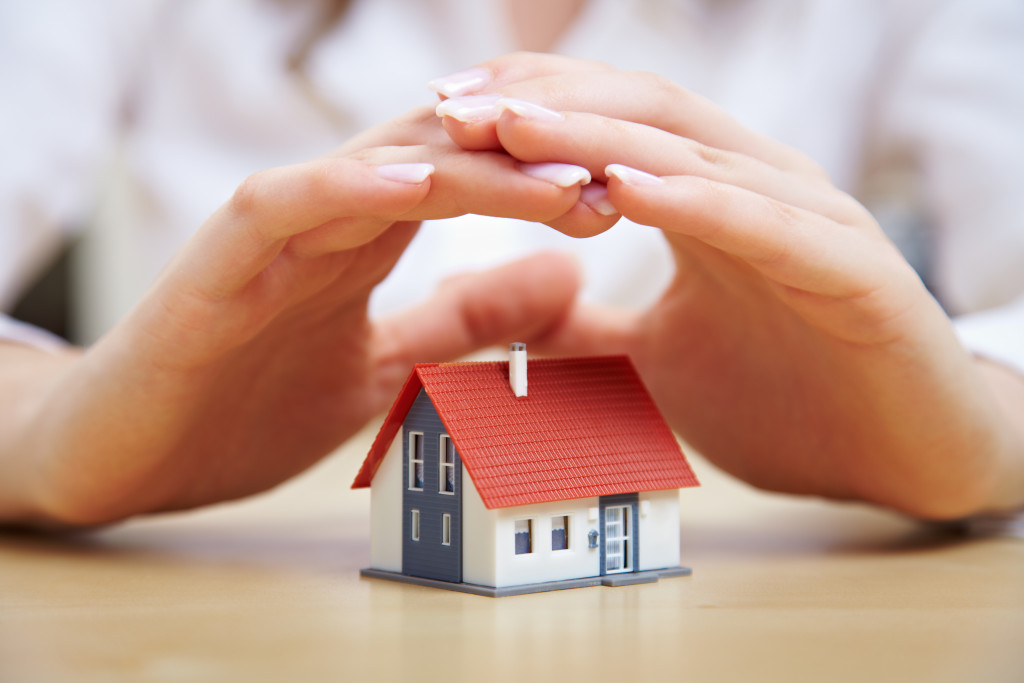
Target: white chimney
(517,368)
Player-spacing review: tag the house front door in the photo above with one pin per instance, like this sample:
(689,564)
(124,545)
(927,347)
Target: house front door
(619,526)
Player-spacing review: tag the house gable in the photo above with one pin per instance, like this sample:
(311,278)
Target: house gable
(587,428)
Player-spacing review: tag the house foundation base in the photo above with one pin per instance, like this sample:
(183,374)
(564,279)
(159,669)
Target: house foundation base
(613,580)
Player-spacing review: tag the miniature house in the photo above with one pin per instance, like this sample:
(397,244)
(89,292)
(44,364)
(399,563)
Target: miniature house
(502,478)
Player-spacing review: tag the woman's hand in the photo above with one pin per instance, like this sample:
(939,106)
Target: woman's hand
(795,347)
(252,356)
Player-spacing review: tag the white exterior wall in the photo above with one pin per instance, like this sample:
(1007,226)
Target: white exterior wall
(488,536)
(386,511)
(544,564)
(479,558)
(659,529)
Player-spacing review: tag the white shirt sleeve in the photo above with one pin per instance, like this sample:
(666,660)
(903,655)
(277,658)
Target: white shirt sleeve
(12,330)
(957,104)
(996,334)
(63,69)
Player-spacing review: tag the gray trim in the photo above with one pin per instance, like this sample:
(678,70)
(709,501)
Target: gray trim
(612,581)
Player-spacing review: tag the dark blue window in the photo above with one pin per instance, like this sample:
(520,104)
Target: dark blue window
(560,532)
(524,536)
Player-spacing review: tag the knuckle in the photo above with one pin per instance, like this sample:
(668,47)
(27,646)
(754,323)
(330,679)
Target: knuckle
(246,198)
(712,155)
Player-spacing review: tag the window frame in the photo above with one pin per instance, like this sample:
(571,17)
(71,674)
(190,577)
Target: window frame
(446,528)
(414,525)
(414,462)
(443,467)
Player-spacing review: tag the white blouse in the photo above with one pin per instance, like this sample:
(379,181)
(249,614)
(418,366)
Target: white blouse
(138,118)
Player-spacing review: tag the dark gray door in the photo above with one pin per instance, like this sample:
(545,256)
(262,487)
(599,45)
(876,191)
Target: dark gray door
(619,543)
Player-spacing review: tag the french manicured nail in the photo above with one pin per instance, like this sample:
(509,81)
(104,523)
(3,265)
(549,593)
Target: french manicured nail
(632,176)
(470,108)
(595,196)
(562,175)
(461,82)
(529,110)
(414,174)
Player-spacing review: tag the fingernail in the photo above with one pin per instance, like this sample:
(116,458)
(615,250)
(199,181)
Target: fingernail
(469,108)
(461,82)
(631,176)
(562,175)
(529,110)
(595,196)
(414,174)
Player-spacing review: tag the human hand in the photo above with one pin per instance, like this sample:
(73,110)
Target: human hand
(795,347)
(252,356)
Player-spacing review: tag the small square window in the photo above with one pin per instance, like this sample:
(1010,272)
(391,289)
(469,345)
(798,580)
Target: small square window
(524,536)
(560,532)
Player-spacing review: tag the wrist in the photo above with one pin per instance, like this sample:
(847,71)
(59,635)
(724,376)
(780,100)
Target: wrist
(28,380)
(1006,386)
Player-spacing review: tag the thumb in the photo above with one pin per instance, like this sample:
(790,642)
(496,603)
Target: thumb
(519,301)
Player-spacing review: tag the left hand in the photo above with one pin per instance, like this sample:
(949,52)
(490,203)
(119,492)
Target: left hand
(795,347)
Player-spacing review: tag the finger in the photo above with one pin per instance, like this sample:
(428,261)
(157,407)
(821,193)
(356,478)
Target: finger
(250,230)
(631,96)
(520,301)
(416,127)
(593,213)
(470,97)
(489,183)
(790,246)
(533,134)
(494,74)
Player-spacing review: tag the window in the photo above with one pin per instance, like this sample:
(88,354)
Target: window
(524,536)
(414,525)
(560,532)
(416,461)
(446,529)
(446,480)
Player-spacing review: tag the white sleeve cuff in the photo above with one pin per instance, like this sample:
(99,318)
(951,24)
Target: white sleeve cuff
(21,333)
(995,525)
(997,334)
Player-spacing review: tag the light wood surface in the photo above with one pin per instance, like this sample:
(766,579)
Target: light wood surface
(268,590)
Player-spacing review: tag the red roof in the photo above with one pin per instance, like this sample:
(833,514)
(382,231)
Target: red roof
(587,427)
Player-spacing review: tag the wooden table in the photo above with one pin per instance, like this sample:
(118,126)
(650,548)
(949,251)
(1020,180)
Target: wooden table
(268,590)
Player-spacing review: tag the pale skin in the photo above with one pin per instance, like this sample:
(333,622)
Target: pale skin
(795,347)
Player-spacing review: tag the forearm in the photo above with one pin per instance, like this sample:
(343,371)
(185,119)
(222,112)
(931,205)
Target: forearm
(28,377)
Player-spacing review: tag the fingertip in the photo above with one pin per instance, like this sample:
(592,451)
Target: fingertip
(560,175)
(470,108)
(628,175)
(470,121)
(461,82)
(595,197)
(409,174)
(581,221)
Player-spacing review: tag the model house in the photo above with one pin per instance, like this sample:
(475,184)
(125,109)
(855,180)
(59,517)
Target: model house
(501,478)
